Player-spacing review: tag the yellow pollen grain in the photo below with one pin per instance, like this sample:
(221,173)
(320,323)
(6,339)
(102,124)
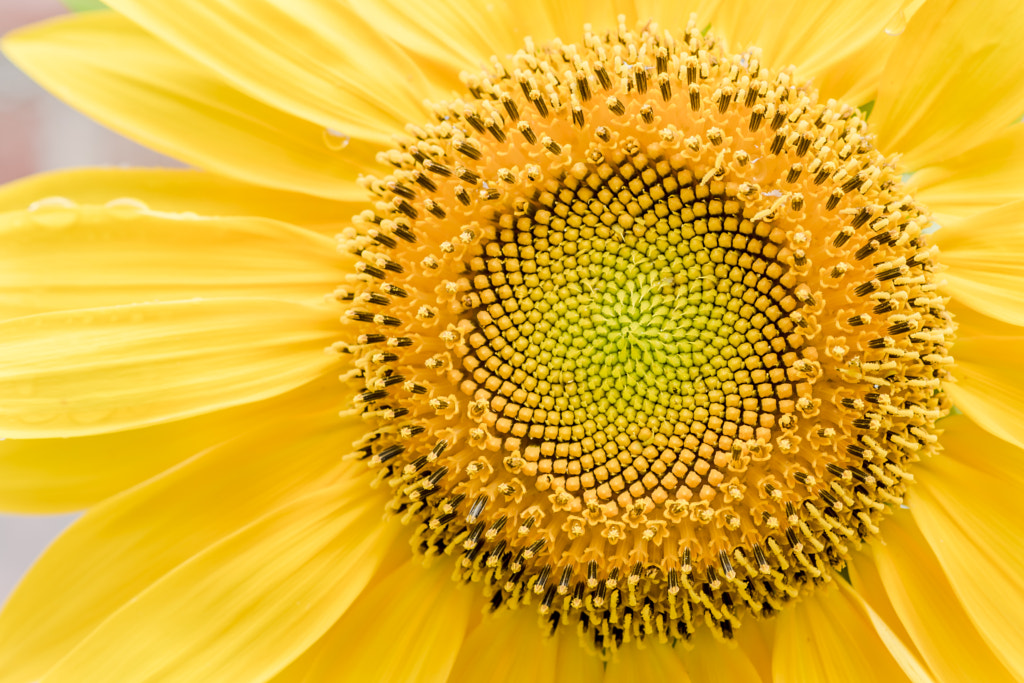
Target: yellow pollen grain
(649,335)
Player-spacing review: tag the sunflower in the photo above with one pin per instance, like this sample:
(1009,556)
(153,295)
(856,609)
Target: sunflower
(676,341)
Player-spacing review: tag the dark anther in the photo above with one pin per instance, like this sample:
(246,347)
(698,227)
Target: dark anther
(863,214)
(424,181)
(361,316)
(640,78)
(496,132)
(866,288)
(756,118)
(856,450)
(890,274)
(382,239)
(466,148)
(865,251)
(405,233)
(465,175)
(474,120)
(833,200)
(405,207)
(372,271)
(390,452)
(900,328)
(439,169)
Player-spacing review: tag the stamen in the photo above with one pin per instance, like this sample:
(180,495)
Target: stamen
(662,361)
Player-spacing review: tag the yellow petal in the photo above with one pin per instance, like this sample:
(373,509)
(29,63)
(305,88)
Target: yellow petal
(406,626)
(121,547)
(985,257)
(120,75)
(673,15)
(512,646)
(955,79)
(453,35)
(977,179)
(316,60)
(177,191)
(811,35)
(61,256)
(971,519)
(988,377)
(854,78)
(246,607)
(868,584)
(99,370)
(569,18)
(832,635)
(60,475)
(928,608)
(651,661)
(964,440)
(711,661)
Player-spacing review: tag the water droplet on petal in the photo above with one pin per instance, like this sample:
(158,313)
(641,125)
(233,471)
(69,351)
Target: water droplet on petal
(335,140)
(897,25)
(126,207)
(54,212)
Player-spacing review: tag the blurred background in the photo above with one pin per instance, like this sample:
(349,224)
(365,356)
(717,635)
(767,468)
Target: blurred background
(39,133)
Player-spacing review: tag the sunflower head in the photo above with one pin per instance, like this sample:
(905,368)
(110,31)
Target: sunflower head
(644,337)
(649,334)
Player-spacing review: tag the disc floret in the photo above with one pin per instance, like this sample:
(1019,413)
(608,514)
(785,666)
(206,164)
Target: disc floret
(649,335)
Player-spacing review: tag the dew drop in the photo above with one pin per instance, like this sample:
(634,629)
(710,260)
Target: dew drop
(897,25)
(54,212)
(335,140)
(126,207)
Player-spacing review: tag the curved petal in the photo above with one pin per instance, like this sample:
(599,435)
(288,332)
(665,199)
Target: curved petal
(964,440)
(246,607)
(854,78)
(711,661)
(182,190)
(60,256)
(60,475)
(985,256)
(416,611)
(946,87)
(811,35)
(980,178)
(834,636)
(989,374)
(512,646)
(118,549)
(971,520)
(316,60)
(113,71)
(91,371)
(452,35)
(920,593)
(639,663)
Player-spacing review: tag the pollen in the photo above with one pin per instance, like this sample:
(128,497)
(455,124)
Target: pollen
(649,335)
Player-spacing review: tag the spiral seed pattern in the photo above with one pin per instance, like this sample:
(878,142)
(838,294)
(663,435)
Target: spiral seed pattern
(648,335)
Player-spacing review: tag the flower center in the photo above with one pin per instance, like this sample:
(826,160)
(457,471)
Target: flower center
(649,334)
